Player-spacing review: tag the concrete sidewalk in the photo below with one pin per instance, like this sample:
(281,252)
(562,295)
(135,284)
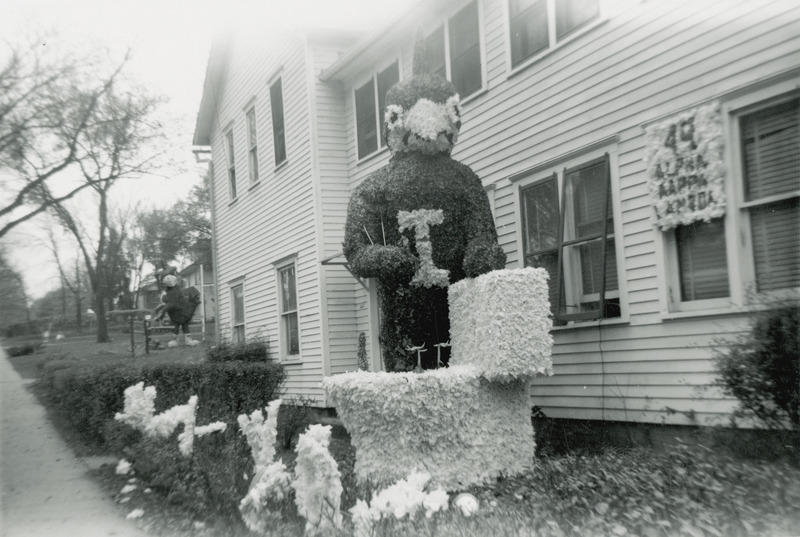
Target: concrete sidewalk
(45,489)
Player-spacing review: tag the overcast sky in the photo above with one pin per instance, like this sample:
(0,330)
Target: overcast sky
(169,41)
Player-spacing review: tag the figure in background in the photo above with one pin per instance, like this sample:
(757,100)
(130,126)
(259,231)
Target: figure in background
(179,305)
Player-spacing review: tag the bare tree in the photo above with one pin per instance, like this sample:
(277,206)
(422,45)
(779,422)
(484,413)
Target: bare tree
(13,299)
(51,105)
(119,143)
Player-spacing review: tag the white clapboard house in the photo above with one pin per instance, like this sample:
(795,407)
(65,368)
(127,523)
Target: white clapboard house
(558,99)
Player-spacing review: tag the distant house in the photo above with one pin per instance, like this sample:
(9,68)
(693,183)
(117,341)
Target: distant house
(149,294)
(558,99)
(201,277)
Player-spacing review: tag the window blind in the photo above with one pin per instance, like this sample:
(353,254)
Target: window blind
(771,150)
(702,260)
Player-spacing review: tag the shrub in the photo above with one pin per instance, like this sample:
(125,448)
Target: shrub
(294,417)
(361,353)
(91,395)
(684,491)
(252,350)
(762,368)
(209,484)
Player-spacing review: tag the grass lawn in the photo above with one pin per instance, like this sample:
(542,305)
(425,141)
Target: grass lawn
(85,350)
(682,491)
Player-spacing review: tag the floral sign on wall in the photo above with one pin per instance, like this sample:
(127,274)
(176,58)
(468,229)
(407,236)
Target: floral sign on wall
(685,167)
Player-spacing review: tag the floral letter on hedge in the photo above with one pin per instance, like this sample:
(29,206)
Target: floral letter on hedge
(317,485)
(685,167)
(421,221)
(139,409)
(270,484)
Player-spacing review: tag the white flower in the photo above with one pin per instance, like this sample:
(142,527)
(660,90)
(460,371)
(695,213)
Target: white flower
(467,503)
(139,406)
(217,426)
(261,433)
(123,467)
(362,518)
(136,513)
(260,507)
(394,117)
(453,107)
(317,484)
(435,501)
(127,489)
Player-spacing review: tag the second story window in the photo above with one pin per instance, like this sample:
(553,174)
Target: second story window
(370,100)
(454,51)
(537,25)
(252,141)
(278,125)
(231,164)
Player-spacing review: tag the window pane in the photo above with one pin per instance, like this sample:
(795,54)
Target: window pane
(434,45)
(253,160)
(251,127)
(771,150)
(238,304)
(587,230)
(529,33)
(776,244)
(591,262)
(238,334)
(465,54)
(549,262)
(587,187)
(292,333)
(572,14)
(232,182)
(229,139)
(365,119)
(288,288)
(540,206)
(702,260)
(278,126)
(386,79)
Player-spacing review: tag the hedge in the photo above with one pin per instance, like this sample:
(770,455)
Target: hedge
(90,396)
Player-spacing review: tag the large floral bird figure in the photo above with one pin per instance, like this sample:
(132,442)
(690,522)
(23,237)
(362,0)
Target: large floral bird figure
(422,222)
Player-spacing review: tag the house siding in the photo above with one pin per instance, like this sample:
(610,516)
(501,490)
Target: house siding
(643,62)
(275,217)
(339,297)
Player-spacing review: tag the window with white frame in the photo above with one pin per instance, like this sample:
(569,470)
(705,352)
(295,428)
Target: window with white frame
(536,25)
(231,164)
(278,124)
(754,249)
(573,239)
(454,50)
(252,145)
(289,321)
(370,102)
(237,313)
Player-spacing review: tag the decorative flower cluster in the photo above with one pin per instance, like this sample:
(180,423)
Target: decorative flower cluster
(685,167)
(317,484)
(421,220)
(461,428)
(402,499)
(140,407)
(427,127)
(260,508)
(500,323)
